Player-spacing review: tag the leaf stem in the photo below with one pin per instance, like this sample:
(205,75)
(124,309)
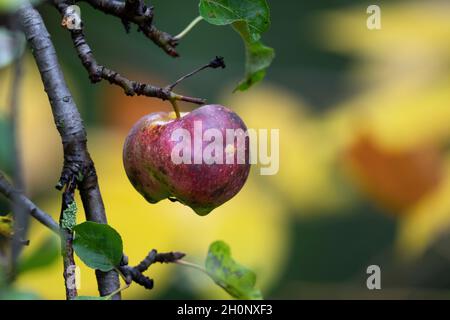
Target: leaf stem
(109,296)
(188,28)
(192,265)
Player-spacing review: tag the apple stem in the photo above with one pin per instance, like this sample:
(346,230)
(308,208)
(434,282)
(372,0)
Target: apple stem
(174,103)
(186,98)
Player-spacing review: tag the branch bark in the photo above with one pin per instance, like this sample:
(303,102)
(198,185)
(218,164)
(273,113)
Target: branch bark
(130,274)
(137,12)
(98,72)
(16,196)
(136,273)
(27,207)
(67,221)
(77,161)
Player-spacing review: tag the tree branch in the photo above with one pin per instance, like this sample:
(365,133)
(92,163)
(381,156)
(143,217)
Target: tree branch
(136,273)
(16,196)
(129,273)
(98,72)
(137,12)
(77,161)
(67,220)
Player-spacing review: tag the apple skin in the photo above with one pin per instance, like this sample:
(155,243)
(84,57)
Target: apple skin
(203,187)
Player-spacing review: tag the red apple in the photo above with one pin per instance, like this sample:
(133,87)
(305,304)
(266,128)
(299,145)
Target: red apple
(200,159)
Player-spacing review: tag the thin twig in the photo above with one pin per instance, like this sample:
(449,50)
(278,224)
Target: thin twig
(139,14)
(135,273)
(99,72)
(67,241)
(217,62)
(16,196)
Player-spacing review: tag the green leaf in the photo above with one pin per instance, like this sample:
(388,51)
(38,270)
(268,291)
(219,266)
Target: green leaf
(253,13)
(69,216)
(258,58)
(234,278)
(250,18)
(45,254)
(99,246)
(91,298)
